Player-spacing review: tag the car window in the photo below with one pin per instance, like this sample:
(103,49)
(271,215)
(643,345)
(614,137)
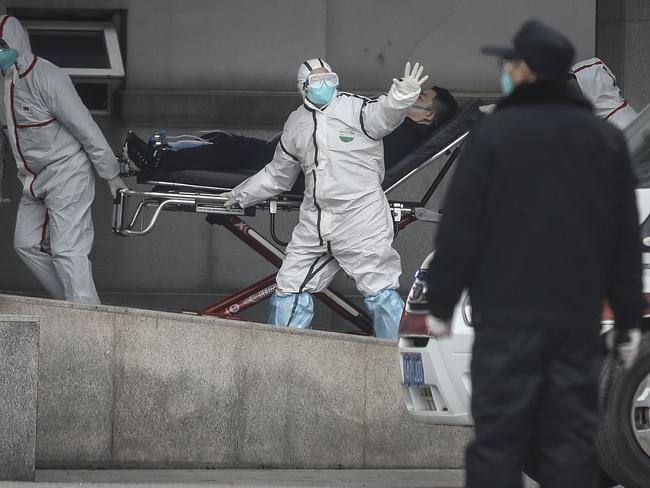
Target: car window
(638,140)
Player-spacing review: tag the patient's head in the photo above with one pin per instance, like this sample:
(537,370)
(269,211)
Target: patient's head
(434,106)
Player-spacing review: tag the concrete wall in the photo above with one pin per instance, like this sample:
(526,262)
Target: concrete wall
(624,43)
(18,396)
(120,388)
(257,44)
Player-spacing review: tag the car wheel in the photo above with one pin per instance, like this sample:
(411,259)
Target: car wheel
(623,439)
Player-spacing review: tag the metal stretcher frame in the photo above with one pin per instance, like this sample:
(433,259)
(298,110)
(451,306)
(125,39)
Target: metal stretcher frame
(203,199)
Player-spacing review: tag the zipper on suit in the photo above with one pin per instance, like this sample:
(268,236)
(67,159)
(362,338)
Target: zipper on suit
(318,218)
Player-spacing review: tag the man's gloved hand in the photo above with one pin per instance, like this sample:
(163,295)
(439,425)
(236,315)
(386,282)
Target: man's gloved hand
(115,184)
(411,82)
(438,327)
(626,342)
(232,201)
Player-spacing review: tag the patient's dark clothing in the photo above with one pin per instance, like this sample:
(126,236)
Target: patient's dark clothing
(229,151)
(406,137)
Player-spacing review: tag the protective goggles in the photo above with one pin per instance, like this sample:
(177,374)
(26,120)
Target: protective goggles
(318,80)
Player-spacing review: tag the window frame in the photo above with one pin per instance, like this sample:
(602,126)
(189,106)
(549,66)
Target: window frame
(116,70)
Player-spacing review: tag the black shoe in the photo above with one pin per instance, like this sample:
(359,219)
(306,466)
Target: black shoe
(139,152)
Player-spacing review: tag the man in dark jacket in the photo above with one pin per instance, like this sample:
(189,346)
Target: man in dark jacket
(540,224)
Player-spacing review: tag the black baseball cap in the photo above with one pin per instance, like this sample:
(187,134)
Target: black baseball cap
(547,52)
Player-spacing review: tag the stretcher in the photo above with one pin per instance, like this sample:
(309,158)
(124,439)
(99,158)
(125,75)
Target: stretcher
(135,213)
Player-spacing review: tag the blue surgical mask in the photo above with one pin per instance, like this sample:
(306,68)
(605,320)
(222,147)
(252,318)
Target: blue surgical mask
(322,95)
(7,58)
(506,83)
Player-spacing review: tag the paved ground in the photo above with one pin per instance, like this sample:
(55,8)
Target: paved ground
(254,478)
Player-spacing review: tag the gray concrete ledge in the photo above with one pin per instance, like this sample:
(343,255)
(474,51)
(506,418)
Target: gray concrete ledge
(128,388)
(237,478)
(19,336)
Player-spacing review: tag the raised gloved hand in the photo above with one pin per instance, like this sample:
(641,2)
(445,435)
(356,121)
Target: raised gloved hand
(626,342)
(115,184)
(231,200)
(438,327)
(411,82)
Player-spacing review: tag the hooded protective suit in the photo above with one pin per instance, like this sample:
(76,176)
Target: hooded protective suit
(598,85)
(344,217)
(55,143)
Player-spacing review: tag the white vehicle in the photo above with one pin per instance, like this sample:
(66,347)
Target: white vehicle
(435,373)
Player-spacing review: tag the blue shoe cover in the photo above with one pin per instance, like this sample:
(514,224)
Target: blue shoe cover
(295,310)
(385,309)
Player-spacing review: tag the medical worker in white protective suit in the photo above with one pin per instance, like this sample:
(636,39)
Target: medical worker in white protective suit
(55,143)
(335,138)
(598,85)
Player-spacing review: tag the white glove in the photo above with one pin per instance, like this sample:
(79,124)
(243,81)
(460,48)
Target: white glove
(115,184)
(627,344)
(438,327)
(411,82)
(488,109)
(232,201)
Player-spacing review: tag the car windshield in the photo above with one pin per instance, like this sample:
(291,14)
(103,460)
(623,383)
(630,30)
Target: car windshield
(638,139)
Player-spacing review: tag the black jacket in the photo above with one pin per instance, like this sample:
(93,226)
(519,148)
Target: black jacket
(540,220)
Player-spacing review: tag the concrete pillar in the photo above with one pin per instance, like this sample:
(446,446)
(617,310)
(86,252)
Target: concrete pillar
(637,49)
(623,42)
(18,396)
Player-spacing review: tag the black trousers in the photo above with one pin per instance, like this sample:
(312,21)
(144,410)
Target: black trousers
(227,151)
(534,403)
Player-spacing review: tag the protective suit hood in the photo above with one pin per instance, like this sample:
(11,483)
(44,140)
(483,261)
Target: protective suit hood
(306,67)
(12,31)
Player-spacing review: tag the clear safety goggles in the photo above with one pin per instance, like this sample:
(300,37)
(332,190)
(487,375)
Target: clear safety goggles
(317,80)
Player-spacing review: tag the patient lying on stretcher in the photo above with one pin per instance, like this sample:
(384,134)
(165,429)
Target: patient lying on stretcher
(223,150)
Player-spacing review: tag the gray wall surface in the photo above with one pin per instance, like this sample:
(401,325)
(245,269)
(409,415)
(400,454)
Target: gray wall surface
(258,44)
(156,390)
(18,396)
(624,43)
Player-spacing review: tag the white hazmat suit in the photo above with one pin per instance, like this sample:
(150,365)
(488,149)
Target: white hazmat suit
(344,217)
(55,143)
(598,85)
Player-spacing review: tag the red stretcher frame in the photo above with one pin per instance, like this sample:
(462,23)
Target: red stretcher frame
(259,291)
(192,198)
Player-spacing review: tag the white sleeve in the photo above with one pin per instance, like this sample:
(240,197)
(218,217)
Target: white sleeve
(65,104)
(276,177)
(381,116)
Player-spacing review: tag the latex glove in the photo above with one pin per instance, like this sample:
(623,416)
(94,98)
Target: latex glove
(232,201)
(438,327)
(488,109)
(115,184)
(411,82)
(627,344)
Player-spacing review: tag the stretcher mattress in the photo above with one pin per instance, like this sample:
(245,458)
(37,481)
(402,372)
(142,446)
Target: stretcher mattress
(454,128)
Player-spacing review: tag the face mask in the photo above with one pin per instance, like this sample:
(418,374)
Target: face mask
(7,58)
(506,83)
(322,95)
